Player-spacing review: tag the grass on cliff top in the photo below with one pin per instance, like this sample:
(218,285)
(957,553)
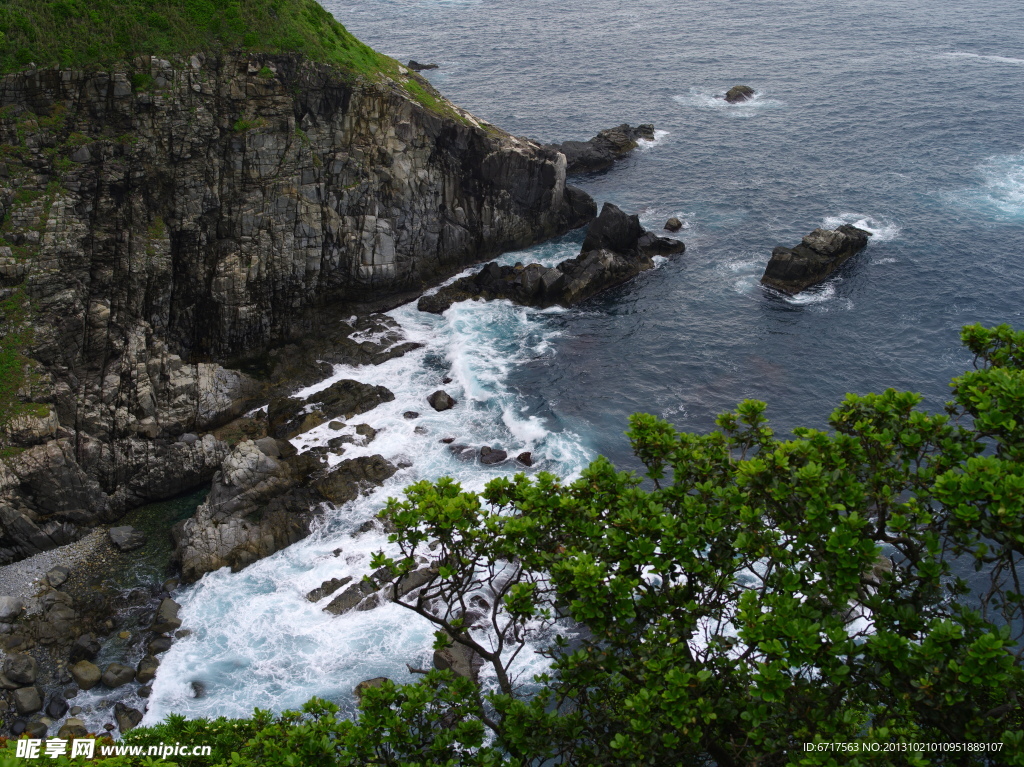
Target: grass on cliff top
(88,34)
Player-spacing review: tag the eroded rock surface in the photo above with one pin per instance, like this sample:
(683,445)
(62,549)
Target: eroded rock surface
(817,256)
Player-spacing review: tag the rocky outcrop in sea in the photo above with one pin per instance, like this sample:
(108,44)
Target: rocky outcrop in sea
(616,249)
(817,256)
(602,151)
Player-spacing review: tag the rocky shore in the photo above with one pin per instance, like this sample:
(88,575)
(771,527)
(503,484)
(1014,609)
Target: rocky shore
(615,250)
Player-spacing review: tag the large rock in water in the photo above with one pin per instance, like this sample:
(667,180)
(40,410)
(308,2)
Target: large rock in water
(288,416)
(814,259)
(616,249)
(739,93)
(604,149)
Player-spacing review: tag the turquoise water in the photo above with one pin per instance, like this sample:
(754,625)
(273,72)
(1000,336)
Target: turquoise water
(902,117)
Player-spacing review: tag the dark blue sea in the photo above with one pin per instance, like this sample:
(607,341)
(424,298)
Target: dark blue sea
(904,117)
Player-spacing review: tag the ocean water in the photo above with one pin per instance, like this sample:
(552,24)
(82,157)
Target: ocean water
(904,117)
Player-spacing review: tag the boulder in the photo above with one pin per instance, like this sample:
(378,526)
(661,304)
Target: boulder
(526,458)
(57,706)
(73,727)
(350,478)
(818,255)
(462,660)
(20,668)
(10,609)
(126,717)
(368,684)
(117,674)
(57,575)
(36,729)
(86,674)
(27,700)
(166,618)
(84,647)
(604,149)
(146,670)
(327,588)
(489,456)
(441,401)
(738,93)
(410,414)
(126,538)
(158,644)
(673,224)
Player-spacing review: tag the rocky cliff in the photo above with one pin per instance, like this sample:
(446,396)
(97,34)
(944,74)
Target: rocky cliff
(159,221)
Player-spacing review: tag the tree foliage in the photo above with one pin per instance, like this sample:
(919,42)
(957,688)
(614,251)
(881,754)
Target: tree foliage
(856,589)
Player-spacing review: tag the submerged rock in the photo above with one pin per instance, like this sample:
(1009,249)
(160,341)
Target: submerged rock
(126,538)
(818,255)
(738,93)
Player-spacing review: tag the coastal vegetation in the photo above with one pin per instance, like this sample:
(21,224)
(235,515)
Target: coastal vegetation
(86,34)
(749,600)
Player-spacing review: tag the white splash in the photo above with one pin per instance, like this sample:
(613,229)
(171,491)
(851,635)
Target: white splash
(881,231)
(963,55)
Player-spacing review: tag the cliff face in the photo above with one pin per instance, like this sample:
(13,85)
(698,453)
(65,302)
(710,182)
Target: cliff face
(156,222)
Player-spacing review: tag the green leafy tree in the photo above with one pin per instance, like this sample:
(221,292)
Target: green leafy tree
(849,596)
(751,595)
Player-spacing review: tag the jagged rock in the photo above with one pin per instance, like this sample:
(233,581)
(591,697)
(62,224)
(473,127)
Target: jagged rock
(489,455)
(615,250)
(410,414)
(86,674)
(57,707)
(441,401)
(117,674)
(350,478)
(368,684)
(526,458)
(289,417)
(21,668)
(350,597)
(11,609)
(57,575)
(327,588)
(84,647)
(126,718)
(738,93)
(818,255)
(146,670)
(126,538)
(257,505)
(604,149)
(166,618)
(27,700)
(673,224)
(415,66)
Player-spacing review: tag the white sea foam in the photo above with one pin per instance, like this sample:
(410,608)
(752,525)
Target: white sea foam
(703,99)
(645,144)
(881,231)
(963,55)
(256,640)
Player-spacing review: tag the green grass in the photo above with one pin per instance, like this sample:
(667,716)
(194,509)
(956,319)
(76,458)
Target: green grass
(110,34)
(13,338)
(88,34)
